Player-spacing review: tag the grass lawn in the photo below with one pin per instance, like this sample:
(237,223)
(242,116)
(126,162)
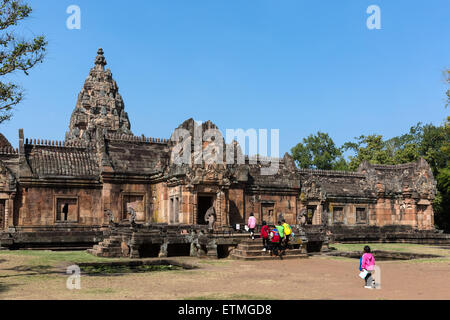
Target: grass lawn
(439,250)
(47,257)
(33,274)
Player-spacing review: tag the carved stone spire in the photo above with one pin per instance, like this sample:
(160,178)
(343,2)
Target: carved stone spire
(99,106)
(100,60)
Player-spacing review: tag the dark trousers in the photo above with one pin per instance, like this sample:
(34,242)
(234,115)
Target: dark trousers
(265,243)
(369,278)
(287,238)
(275,247)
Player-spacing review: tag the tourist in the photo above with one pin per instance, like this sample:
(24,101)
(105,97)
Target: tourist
(280,231)
(287,233)
(252,225)
(368,265)
(265,235)
(275,242)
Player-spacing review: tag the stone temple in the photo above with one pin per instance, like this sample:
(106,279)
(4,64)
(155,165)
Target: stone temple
(76,192)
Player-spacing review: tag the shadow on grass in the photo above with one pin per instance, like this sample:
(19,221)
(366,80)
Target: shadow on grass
(4,287)
(30,271)
(37,269)
(118,270)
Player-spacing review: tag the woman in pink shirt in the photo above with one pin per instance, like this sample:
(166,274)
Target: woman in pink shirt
(368,264)
(252,225)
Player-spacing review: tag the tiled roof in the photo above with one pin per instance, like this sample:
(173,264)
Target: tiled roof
(63,161)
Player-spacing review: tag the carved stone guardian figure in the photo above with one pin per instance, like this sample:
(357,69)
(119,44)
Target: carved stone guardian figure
(210,217)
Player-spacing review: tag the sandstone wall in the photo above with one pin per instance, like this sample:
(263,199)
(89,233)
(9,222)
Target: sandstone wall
(37,206)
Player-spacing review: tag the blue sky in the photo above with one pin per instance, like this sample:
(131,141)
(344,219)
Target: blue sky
(294,65)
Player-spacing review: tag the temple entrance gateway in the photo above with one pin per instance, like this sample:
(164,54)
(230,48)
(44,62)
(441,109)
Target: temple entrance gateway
(204,202)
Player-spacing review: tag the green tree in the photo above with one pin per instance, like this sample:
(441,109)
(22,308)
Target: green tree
(318,152)
(405,148)
(16,53)
(447,80)
(371,148)
(441,172)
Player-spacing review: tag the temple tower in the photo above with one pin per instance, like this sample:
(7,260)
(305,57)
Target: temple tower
(99,105)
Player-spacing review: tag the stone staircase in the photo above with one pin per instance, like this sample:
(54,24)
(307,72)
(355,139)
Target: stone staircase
(251,250)
(110,247)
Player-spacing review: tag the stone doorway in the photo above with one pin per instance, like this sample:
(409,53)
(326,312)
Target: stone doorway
(268,213)
(204,202)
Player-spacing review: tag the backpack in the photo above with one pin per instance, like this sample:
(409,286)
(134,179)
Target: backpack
(287,229)
(275,235)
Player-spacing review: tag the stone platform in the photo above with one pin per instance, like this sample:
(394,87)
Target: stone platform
(386,234)
(251,250)
(162,240)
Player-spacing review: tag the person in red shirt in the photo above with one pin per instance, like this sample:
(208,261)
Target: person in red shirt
(265,235)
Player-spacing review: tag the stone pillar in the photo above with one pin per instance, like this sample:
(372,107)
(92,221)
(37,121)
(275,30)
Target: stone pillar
(148,205)
(5,217)
(194,211)
(9,212)
(221,214)
(190,206)
(318,215)
(106,197)
(134,248)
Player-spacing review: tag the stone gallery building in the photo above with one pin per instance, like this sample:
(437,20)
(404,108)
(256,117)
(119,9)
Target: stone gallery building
(58,192)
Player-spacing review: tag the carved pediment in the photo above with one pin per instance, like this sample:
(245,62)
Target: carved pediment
(7,179)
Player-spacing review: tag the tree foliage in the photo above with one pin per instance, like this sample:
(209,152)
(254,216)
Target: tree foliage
(368,148)
(16,53)
(447,80)
(318,152)
(427,141)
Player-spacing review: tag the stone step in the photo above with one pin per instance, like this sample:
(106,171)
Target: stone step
(111,242)
(253,246)
(94,252)
(111,250)
(268,257)
(250,246)
(250,240)
(97,247)
(254,253)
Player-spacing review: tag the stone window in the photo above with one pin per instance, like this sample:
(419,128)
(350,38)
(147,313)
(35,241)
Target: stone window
(338,215)
(361,215)
(67,209)
(421,208)
(136,202)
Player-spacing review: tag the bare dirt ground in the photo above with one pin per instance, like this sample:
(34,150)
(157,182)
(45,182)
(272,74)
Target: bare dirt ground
(21,277)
